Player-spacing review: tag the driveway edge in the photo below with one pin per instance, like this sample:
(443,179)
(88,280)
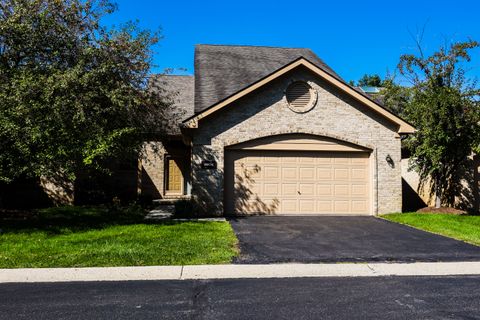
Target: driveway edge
(290,270)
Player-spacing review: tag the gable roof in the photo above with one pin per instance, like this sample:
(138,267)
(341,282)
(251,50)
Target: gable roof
(403,126)
(179,91)
(221,70)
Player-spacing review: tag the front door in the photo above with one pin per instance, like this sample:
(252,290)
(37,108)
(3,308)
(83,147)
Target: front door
(174,177)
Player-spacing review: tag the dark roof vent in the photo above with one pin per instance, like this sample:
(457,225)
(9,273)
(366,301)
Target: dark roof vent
(300,96)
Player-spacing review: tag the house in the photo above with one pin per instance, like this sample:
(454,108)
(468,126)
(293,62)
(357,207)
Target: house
(266,130)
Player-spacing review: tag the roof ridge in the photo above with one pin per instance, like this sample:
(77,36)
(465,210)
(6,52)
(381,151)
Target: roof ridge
(249,46)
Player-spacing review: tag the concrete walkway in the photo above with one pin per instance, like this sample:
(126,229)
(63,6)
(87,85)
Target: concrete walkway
(239,271)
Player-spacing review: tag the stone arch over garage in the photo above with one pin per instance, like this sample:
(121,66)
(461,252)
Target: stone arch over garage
(258,136)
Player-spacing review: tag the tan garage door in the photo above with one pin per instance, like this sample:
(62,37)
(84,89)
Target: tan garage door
(293,182)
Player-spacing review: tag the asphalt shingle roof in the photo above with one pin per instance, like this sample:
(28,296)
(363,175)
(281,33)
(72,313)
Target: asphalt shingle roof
(221,71)
(179,90)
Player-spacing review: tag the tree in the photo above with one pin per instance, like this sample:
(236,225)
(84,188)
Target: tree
(395,97)
(373,80)
(444,109)
(73,94)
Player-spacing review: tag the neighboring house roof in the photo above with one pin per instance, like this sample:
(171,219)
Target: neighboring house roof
(375,96)
(179,91)
(403,126)
(221,71)
(370,90)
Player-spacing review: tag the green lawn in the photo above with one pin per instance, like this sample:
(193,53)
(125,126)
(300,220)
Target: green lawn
(462,227)
(88,237)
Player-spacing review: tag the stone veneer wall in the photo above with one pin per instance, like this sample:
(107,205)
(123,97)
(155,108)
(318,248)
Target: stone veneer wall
(265,112)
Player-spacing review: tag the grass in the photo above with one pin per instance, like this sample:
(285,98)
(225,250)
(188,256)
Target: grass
(461,227)
(94,237)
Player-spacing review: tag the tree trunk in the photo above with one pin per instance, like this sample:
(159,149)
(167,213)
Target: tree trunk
(438,194)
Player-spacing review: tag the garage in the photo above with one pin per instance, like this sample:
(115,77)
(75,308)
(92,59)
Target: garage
(277,177)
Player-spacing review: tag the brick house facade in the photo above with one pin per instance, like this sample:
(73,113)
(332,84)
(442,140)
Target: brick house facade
(326,149)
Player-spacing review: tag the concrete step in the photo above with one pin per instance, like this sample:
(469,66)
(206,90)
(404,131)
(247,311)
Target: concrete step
(171,201)
(163,211)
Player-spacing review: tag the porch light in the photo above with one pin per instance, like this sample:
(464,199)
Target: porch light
(390,161)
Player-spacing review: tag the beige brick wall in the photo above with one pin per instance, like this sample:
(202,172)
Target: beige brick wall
(152,183)
(468,193)
(265,113)
(152,163)
(59,189)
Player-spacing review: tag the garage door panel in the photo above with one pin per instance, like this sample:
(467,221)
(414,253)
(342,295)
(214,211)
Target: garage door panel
(271,172)
(254,171)
(324,174)
(308,160)
(307,206)
(341,160)
(306,189)
(255,189)
(359,206)
(253,160)
(359,174)
(324,160)
(359,161)
(301,182)
(289,205)
(289,189)
(341,173)
(290,173)
(342,190)
(270,189)
(271,159)
(307,173)
(324,190)
(341,206)
(325,206)
(359,190)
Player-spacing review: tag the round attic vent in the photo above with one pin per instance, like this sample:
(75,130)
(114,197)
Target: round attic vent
(301,97)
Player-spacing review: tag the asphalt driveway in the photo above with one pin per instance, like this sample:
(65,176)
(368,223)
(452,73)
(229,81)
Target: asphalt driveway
(276,239)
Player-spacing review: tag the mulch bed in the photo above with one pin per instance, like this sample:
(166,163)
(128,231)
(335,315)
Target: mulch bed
(443,210)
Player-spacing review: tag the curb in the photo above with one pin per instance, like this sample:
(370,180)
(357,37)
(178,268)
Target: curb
(290,270)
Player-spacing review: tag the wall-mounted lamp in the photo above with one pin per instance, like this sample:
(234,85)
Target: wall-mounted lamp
(390,161)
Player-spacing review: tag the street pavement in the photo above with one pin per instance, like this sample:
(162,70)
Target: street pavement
(431,297)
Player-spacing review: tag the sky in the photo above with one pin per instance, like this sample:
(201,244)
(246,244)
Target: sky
(353,37)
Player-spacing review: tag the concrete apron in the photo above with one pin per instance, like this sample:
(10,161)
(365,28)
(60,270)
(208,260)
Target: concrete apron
(230,271)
